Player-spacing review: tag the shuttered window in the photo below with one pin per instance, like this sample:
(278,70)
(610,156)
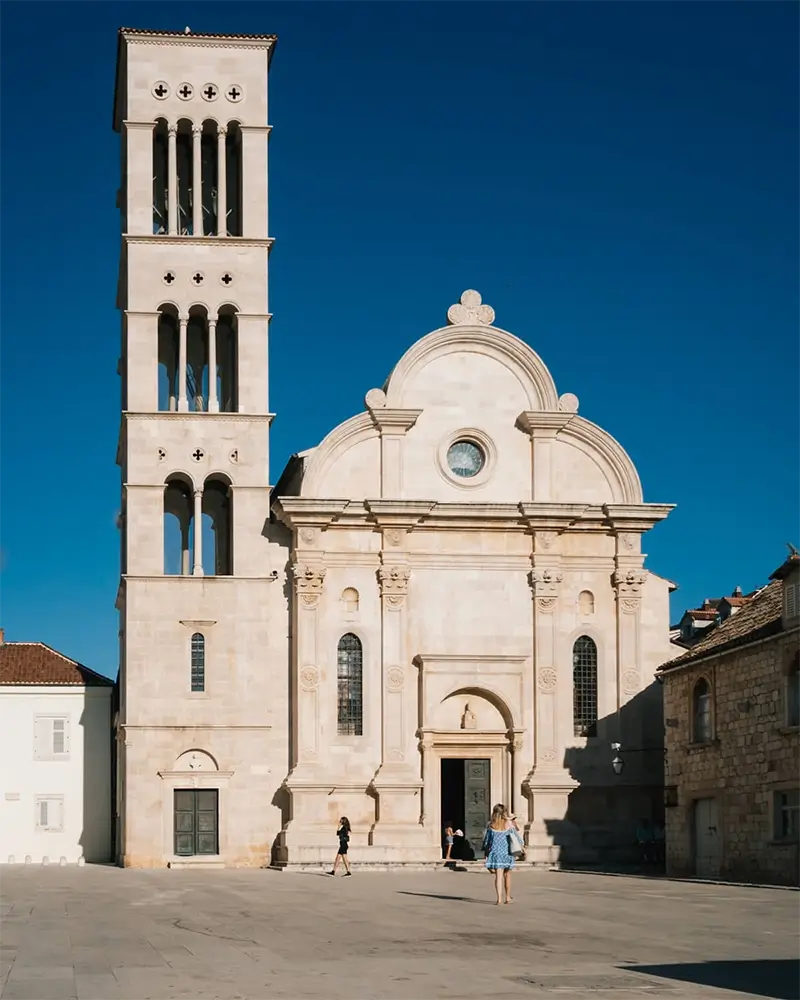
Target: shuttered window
(51,737)
(50,813)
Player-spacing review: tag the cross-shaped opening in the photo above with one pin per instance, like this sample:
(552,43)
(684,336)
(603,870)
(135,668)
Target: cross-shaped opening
(234,93)
(210,93)
(226,279)
(197,278)
(198,454)
(169,277)
(161,90)
(185,91)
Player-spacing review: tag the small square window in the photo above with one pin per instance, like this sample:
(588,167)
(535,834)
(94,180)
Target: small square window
(50,813)
(787,814)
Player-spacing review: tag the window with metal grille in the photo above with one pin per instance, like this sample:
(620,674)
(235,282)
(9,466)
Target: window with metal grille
(198,662)
(350,702)
(787,814)
(584,686)
(701,711)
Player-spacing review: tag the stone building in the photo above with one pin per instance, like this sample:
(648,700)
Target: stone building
(732,711)
(442,605)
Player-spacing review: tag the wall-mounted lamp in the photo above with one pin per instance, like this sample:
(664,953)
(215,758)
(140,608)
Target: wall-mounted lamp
(618,764)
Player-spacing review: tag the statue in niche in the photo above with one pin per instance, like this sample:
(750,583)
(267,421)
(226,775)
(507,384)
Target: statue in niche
(468,720)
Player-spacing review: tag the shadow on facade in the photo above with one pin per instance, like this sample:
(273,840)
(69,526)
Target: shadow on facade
(778,978)
(604,810)
(96,733)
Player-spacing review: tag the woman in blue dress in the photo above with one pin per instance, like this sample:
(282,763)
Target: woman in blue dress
(497,847)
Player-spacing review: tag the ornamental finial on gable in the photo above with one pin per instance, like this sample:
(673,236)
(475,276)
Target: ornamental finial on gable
(469,310)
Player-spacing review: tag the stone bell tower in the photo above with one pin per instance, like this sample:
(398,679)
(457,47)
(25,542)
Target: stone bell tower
(197,599)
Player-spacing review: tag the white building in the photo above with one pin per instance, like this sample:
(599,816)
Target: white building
(55,745)
(442,605)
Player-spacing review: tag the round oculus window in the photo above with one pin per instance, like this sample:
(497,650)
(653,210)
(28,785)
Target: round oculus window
(465,459)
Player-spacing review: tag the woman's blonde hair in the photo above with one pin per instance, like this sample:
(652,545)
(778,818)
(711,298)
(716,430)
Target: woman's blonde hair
(499,817)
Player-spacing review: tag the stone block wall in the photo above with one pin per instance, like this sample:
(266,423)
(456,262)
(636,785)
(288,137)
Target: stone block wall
(753,755)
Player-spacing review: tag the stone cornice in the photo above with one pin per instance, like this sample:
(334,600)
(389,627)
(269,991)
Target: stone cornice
(307,511)
(636,516)
(265,129)
(429,659)
(394,420)
(172,580)
(132,126)
(202,41)
(199,241)
(186,415)
(551,516)
(548,424)
(399,513)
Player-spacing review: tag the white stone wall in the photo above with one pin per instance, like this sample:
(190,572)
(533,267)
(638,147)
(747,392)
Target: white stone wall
(82,778)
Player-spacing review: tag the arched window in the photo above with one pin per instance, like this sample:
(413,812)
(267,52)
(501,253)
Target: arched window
(586,602)
(233,175)
(350,702)
(197,360)
(160,176)
(793,692)
(217,529)
(226,366)
(350,600)
(198,662)
(186,180)
(209,171)
(178,527)
(584,686)
(701,711)
(168,356)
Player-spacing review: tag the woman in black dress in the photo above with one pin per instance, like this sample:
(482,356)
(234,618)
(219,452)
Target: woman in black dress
(343,833)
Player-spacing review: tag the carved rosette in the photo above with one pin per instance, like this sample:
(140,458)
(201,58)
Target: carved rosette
(394,584)
(308,536)
(308,582)
(393,537)
(548,756)
(544,582)
(395,679)
(396,756)
(309,678)
(631,681)
(548,679)
(547,605)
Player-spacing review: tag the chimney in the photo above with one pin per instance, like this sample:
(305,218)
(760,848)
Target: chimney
(737,592)
(2,637)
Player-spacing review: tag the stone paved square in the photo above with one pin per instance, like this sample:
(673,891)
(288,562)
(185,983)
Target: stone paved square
(100,933)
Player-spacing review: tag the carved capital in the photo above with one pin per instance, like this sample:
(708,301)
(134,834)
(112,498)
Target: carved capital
(222,129)
(629,582)
(544,582)
(172,130)
(394,584)
(308,581)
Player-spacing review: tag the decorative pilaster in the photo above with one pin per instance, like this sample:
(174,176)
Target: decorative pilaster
(308,583)
(543,427)
(545,581)
(222,182)
(628,582)
(172,179)
(393,425)
(197,181)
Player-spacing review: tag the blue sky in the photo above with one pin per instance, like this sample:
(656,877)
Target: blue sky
(618,180)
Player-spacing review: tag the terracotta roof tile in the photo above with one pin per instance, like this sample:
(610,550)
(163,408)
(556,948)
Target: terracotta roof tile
(759,619)
(737,602)
(702,614)
(35,663)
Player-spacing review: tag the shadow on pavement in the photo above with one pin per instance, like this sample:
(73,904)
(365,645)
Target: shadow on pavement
(777,978)
(441,895)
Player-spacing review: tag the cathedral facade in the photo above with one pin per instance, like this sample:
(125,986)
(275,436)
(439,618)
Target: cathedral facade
(442,605)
